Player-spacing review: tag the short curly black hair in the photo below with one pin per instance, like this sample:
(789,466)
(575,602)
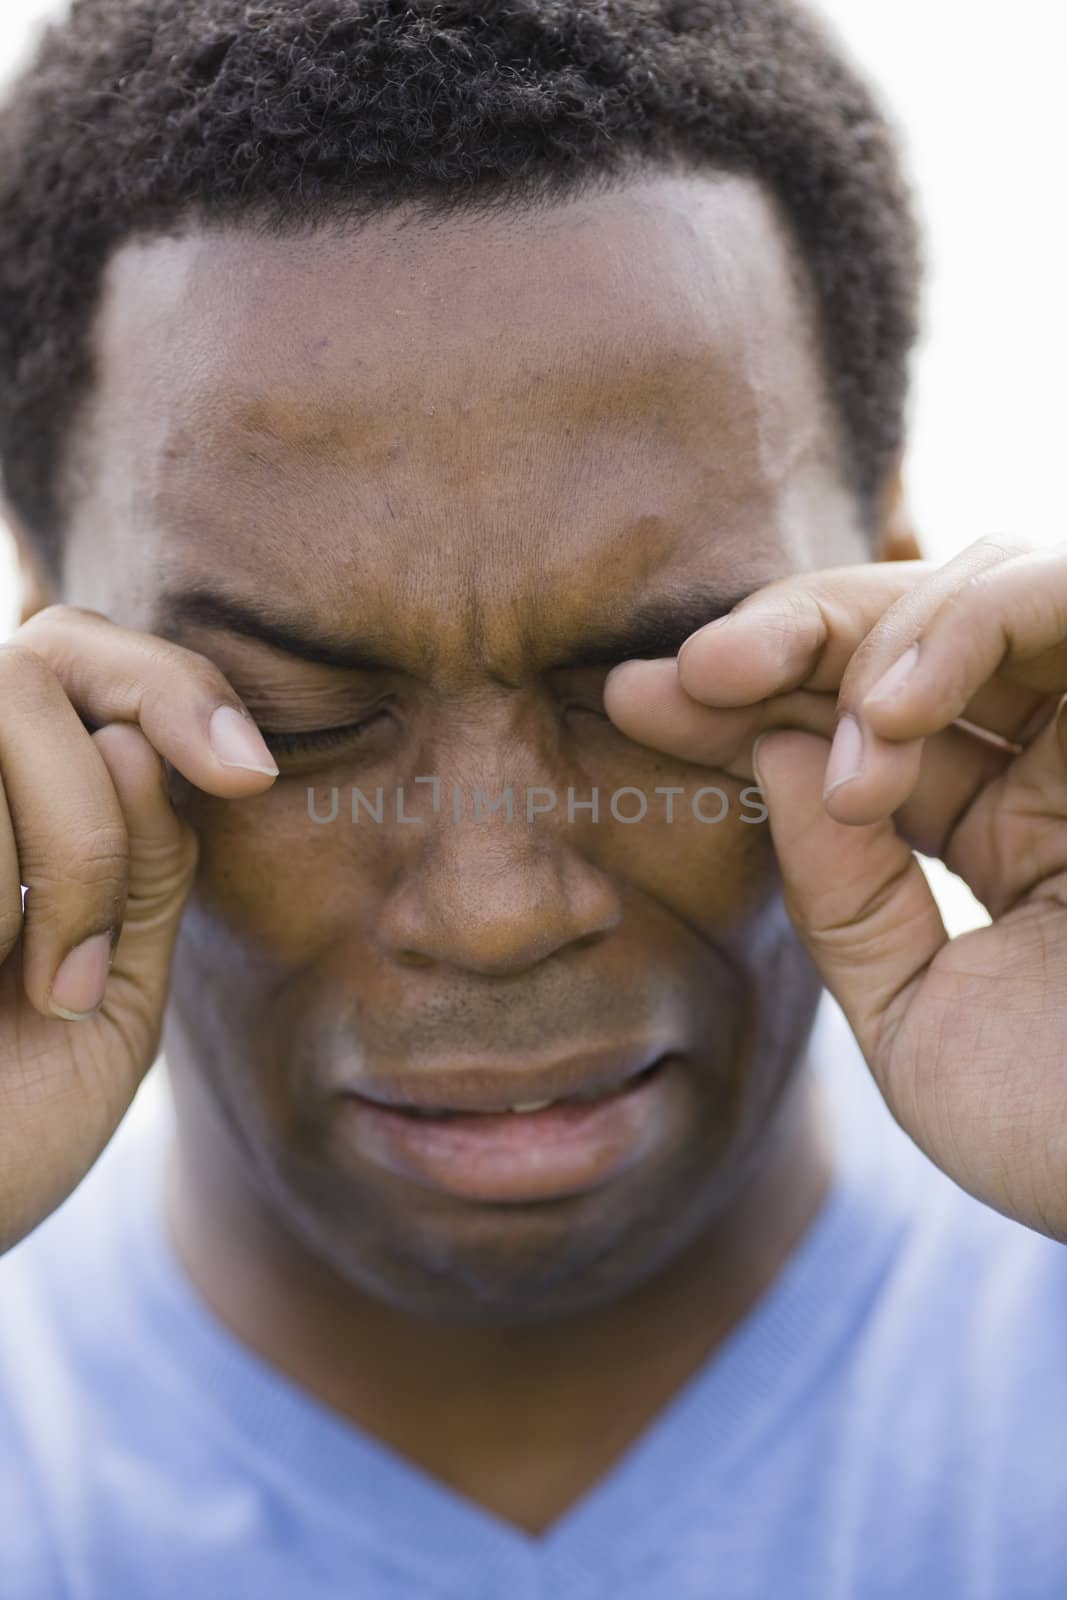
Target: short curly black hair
(138,115)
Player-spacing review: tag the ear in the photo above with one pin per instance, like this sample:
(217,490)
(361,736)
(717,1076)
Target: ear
(897,539)
(35,588)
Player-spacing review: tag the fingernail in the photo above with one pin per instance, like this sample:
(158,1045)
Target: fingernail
(80,982)
(846,756)
(890,682)
(237,742)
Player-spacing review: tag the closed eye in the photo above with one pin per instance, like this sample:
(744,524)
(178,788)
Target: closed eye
(314,740)
(318,738)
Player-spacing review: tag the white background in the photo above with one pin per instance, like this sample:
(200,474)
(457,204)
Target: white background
(975,88)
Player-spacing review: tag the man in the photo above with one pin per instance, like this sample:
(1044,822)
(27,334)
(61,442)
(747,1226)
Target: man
(376,380)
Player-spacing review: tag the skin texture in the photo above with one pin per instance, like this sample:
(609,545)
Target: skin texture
(945,691)
(473,444)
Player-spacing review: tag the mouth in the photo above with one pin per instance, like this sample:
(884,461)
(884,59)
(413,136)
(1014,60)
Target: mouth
(465,1089)
(581,1097)
(525,1149)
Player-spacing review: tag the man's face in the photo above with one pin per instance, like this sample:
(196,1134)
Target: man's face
(473,450)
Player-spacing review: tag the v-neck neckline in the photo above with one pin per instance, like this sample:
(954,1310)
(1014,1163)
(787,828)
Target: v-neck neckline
(375,1497)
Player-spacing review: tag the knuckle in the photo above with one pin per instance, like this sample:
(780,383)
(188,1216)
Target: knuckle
(208,676)
(1004,545)
(98,869)
(19,662)
(798,615)
(10,929)
(976,586)
(59,615)
(787,599)
(174,663)
(26,678)
(809,614)
(974,599)
(103,858)
(809,621)
(52,632)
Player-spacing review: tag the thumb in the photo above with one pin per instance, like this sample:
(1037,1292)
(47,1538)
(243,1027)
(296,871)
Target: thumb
(856,895)
(163,853)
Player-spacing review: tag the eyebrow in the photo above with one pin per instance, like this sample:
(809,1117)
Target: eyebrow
(657,627)
(201,607)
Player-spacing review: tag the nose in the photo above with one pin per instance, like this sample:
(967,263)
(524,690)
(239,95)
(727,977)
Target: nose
(495,897)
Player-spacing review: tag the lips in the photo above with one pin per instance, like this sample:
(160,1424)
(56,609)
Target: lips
(586,1097)
(469,1087)
(494,1157)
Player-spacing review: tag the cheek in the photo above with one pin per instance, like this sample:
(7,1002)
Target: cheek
(704,852)
(709,865)
(270,877)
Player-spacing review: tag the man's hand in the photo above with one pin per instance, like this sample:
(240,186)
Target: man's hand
(966,1038)
(86,824)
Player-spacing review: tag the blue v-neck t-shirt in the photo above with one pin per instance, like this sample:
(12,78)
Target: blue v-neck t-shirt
(889,1420)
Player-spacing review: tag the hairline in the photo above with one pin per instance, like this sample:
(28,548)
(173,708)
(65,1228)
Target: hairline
(518,201)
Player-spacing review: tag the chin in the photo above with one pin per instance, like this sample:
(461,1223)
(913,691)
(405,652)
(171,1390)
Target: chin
(497,1264)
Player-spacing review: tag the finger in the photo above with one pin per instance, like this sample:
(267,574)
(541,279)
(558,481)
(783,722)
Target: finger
(10,882)
(69,832)
(182,702)
(929,786)
(954,769)
(926,795)
(1010,616)
(163,853)
(857,896)
(1013,842)
(801,630)
(66,1087)
(1011,609)
(662,716)
(807,629)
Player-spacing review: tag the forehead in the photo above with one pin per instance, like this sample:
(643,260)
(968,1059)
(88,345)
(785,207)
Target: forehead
(441,414)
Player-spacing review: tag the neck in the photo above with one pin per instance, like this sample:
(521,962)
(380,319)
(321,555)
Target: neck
(454,1399)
